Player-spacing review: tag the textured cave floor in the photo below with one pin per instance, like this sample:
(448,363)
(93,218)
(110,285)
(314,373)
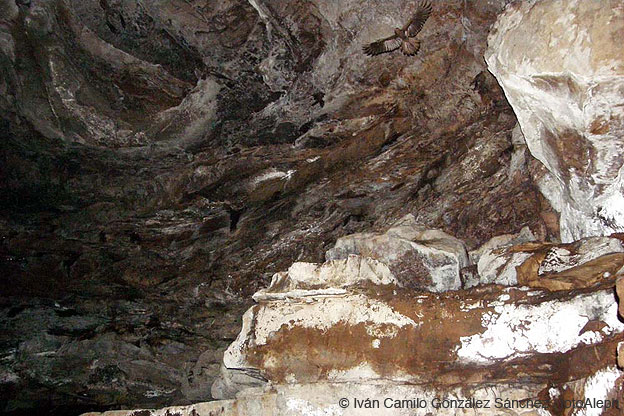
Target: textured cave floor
(158,167)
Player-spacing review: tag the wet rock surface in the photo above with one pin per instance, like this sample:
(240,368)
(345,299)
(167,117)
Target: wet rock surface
(162,160)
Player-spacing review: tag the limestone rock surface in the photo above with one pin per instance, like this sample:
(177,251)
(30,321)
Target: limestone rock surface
(561,66)
(392,312)
(417,256)
(343,338)
(332,277)
(372,330)
(524,236)
(585,263)
(161,161)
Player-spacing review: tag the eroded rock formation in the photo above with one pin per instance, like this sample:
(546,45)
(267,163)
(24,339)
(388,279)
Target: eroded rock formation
(348,338)
(162,161)
(562,70)
(412,252)
(306,330)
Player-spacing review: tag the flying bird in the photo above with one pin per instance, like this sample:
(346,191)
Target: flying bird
(403,37)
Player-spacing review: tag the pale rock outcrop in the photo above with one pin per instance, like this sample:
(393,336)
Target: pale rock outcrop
(331,278)
(418,257)
(524,236)
(301,281)
(233,380)
(561,66)
(367,330)
(322,336)
(598,394)
(584,263)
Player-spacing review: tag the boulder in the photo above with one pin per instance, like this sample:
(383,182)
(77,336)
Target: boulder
(332,277)
(419,257)
(561,66)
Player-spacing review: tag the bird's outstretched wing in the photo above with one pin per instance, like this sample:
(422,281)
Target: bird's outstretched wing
(418,19)
(382,46)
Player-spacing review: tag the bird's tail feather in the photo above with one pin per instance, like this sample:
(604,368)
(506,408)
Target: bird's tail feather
(410,47)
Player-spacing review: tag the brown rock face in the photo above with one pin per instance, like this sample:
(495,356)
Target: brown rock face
(417,345)
(620,292)
(353,325)
(160,160)
(586,263)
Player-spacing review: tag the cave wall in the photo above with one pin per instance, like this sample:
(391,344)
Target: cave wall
(565,86)
(162,160)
